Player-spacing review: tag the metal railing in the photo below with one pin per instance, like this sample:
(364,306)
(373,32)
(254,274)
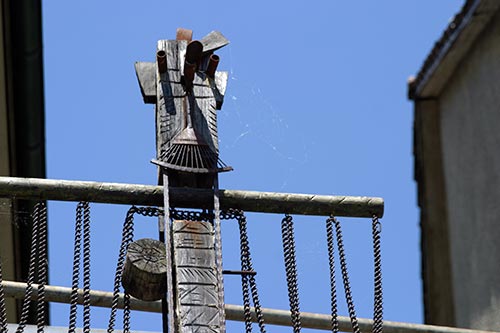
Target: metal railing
(233,312)
(149,195)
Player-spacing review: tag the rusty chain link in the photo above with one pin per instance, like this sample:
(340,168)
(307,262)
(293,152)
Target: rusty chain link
(86,268)
(38,262)
(126,313)
(42,266)
(333,283)
(378,295)
(3,312)
(31,277)
(378,310)
(345,275)
(127,237)
(188,215)
(249,284)
(82,222)
(38,256)
(291,270)
(247,281)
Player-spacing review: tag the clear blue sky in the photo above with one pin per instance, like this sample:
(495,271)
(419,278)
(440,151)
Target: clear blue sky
(316,103)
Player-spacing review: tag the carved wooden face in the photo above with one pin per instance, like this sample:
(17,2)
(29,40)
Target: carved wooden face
(187,91)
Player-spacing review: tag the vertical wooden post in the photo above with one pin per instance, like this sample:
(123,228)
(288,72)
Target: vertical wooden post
(188,155)
(195,271)
(165,237)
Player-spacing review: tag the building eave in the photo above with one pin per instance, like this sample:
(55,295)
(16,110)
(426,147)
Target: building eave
(451,48)
(23,142)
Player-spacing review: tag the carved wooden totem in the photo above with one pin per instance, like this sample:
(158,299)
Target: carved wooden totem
(187,90)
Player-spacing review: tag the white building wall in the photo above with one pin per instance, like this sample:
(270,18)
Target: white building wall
(470,129)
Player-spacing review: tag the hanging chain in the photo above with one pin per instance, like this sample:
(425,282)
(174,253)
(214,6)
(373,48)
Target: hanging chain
(291,270)
(246,303)
(345,276)
(127,237)
(38,257)
(3,312)
(377,280)
(126,313)
(76,271)
(249,284)
(188,215)
(31,274)
(333,288)
(86,268)
(82,216)
(247,281)
(42,267)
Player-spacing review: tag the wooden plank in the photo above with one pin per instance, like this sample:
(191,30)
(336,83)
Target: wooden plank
(198,329)
(192,241)
(201,229)
(196,280)
(181,46)
(164,228)
(213,41)
(195,274)
(199,315)
(187,257)
(171,50)
(221,82)
(218,253)
(146,75)
(201,88)
(218,86)
(170,97)
(205,114)
(204,118)
(202,294)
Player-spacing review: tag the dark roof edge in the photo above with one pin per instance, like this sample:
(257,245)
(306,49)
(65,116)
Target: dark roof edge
(449,50)
(26,84)
(25,100)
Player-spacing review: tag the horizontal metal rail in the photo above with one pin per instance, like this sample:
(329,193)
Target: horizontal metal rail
(58,329)
(233,312)
(151,195)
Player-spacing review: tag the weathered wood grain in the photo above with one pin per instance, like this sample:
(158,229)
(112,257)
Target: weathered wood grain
(177,108)
(204,118)
(152,195)
(218,86)
(196,280)
(197,293)
(170,119)
(202,89)
(213,41)
(198,329)
(144,272)
(196,274)
(187,257)
(165,234)
(146,75)
(187,240)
